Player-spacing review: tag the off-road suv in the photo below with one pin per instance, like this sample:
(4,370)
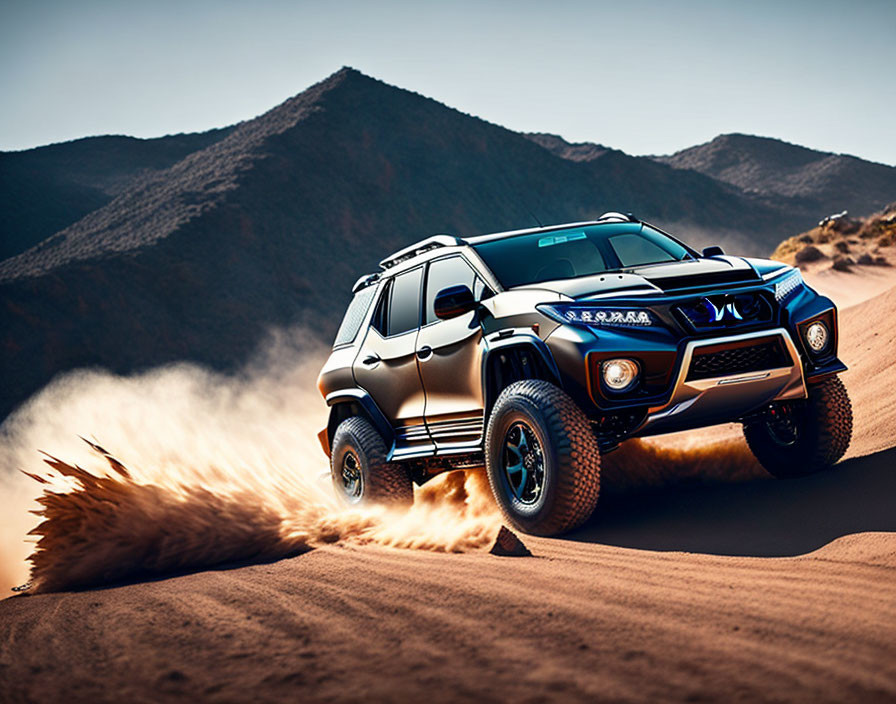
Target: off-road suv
(535,352)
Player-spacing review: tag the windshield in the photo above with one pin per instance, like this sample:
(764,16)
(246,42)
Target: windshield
(519,260)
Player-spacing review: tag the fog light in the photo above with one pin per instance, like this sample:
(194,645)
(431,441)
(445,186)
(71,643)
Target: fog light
(817,336)
(619,374)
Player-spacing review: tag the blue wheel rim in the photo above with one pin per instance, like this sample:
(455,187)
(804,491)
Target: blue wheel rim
(523,460)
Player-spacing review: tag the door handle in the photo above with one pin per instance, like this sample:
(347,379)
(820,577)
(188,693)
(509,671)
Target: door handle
(424,352)
(371,359)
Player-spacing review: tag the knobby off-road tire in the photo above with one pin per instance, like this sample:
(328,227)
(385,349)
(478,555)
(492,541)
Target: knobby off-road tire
(359,449)
(571,457)
(823,424)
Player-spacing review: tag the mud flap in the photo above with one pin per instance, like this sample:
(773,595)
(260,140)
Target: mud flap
(324,441)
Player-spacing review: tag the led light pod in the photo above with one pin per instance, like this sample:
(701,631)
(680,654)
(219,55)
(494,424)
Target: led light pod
(619,374)
(788,285)
(817,336)
(597,316)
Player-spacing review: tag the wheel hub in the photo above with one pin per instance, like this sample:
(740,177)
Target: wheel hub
(523,463)
(782,424)
(352,479)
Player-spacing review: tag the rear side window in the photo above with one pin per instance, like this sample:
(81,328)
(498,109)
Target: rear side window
(453,271)
(404,302)
(354,316)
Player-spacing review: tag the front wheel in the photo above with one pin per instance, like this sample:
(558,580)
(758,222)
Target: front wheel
(542,459)
(797,438)
(361,475)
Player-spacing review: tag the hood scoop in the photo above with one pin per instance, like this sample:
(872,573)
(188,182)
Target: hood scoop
(692,273)
(596,285)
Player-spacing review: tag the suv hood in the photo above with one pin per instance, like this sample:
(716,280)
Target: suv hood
(674,276)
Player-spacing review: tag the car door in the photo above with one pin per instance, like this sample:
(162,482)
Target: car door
(450,359)
(386,365)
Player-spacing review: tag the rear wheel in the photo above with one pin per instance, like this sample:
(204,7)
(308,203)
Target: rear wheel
(359,470)
(802,437)
(542,459)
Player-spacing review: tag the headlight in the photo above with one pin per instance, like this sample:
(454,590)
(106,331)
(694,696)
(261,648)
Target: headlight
(592,315)
(786,287)
(619,374)
(817,336)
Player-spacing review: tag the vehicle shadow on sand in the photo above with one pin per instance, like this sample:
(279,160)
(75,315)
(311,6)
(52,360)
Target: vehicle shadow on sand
(762,518)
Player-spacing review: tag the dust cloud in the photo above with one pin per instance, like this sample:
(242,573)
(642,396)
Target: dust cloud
(183,468)
(210,469)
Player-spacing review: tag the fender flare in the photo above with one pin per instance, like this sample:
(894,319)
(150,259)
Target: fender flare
(360,403)
(502,341)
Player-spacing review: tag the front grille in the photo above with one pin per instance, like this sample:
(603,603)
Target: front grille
(738,358)
(727,311)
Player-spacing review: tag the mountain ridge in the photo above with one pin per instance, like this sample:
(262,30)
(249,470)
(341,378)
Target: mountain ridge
(788,197)
(267,226)
(105,230)
(46,189)
(156,205)
(772,167)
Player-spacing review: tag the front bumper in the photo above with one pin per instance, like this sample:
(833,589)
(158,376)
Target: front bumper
(700,399)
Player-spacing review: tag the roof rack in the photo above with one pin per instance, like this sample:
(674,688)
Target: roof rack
(613,216)
(419,248)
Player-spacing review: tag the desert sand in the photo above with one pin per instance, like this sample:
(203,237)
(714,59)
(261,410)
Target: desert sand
(756,590)
(577,622)
(849,288)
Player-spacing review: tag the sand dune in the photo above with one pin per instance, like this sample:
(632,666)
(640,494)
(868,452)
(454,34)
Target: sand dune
(759,590)
(850,288)
(868,332)
(577,622)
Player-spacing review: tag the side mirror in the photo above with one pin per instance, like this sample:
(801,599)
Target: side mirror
(454,301)
(714,251)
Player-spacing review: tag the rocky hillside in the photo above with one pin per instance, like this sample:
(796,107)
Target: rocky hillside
(840,241)
(46,189)
(778,173)
(777,170)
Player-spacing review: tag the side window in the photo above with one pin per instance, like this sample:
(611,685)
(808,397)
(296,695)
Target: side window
(453,271)
(404,302)
(380,314)
(354,316)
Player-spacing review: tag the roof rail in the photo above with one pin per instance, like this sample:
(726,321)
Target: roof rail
(613,216)
(365,281)
(419,248)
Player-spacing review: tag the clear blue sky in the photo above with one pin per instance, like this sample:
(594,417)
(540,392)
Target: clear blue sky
(643,76)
